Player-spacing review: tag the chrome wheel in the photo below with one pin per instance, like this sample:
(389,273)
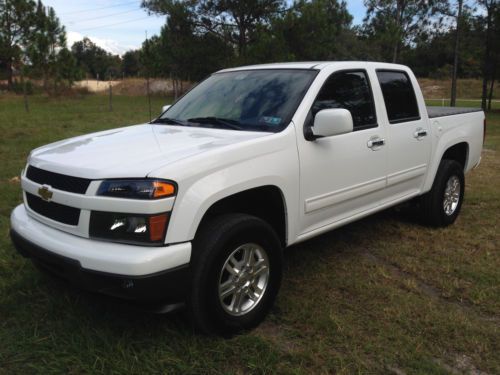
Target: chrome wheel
(451,195)
(243,279)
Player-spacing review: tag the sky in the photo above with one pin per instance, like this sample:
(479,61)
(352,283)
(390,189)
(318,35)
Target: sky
(121,25)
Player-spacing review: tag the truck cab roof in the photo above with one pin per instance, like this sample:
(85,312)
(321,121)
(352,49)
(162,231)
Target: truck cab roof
(317,65)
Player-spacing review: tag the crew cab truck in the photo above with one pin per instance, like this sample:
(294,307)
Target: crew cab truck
(196,206)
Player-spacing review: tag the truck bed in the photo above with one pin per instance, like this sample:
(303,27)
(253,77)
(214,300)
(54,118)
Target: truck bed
(449,111)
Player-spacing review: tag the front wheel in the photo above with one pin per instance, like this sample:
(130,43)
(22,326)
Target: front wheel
(236,270)
(442,204)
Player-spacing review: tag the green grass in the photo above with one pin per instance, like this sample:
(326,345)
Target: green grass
(378,296)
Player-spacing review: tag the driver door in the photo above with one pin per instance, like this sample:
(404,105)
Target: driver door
(342,175)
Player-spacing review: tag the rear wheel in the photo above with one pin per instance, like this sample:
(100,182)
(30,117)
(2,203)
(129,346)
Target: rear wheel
(442,204)
(237,267)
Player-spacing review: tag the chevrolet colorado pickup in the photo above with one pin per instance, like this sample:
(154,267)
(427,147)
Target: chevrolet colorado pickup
(196,206)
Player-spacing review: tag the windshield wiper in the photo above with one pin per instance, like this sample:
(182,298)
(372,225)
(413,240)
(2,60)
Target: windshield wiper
(227,123)
(168,120)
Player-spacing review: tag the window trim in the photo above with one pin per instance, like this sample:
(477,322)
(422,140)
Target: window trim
(405,119)
(374,109)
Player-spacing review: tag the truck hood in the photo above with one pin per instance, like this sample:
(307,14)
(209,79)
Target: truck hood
(132,151)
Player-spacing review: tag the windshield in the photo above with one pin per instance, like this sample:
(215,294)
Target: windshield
(262,100)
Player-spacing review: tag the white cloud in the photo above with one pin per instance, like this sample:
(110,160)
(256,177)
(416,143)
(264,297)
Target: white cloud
(108,45)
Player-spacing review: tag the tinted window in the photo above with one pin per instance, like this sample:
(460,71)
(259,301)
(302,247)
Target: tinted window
(399,96)
(349,90)
(263,99)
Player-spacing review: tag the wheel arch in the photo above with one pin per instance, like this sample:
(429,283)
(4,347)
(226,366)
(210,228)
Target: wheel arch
(266,202)
(457,150)
(266,197)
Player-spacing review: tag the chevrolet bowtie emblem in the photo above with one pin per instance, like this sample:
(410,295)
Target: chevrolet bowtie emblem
(45,193)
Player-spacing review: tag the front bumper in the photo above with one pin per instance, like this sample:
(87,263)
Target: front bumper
(125,271)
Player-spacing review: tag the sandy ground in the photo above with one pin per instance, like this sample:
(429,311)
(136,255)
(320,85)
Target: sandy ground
(95,86)
(130,86)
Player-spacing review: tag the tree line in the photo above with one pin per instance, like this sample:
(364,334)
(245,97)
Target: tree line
(437,38)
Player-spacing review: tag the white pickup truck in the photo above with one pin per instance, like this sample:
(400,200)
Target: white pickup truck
(196,206)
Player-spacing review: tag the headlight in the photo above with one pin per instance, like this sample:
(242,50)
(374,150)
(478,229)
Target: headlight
(137,189)
(129,228)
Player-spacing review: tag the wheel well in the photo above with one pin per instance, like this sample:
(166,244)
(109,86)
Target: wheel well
(458,153)
(265,202)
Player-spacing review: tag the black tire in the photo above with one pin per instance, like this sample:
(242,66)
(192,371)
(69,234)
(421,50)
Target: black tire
(433,210)
(213,245)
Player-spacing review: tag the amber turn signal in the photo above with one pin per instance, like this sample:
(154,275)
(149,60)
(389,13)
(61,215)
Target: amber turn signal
(163,189)
(157,226)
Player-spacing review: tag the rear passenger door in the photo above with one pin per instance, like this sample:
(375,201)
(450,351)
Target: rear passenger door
(408,134)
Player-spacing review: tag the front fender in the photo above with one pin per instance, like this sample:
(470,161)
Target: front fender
(268,161)
(189,210)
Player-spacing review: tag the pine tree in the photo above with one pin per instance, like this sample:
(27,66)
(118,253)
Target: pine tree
(16,30)
(48,38)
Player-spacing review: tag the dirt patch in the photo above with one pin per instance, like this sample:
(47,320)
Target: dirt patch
(93,85)
(395,370)
(133,86)
(460,364)
(441,88)
(15,180)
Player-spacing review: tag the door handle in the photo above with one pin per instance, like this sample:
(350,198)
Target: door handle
(375,143)
(420,133)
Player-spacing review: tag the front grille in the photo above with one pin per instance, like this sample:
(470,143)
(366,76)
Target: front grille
(55,211)
(58,181)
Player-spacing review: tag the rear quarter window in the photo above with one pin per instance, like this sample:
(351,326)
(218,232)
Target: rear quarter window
(399,96)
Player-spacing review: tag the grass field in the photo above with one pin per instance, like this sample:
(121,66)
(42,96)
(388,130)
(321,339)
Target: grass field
(383,295)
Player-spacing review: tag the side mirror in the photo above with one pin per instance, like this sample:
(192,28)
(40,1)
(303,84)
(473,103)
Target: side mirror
(165,107)
(328,122)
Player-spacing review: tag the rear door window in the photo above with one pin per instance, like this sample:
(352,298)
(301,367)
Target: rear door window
(399,96)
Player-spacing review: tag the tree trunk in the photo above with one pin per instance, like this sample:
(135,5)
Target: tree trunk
(395,53)
(242,44)
(492,86)
(45,80)
(25,95)
(10,74)
(490,95)
(453,100)
(484,93)
(149,96)
(242,37)
(399,9)
(110,97)
(175,87)
(487,56)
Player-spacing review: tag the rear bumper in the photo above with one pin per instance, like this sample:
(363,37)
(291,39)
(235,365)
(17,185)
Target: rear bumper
(125,271)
